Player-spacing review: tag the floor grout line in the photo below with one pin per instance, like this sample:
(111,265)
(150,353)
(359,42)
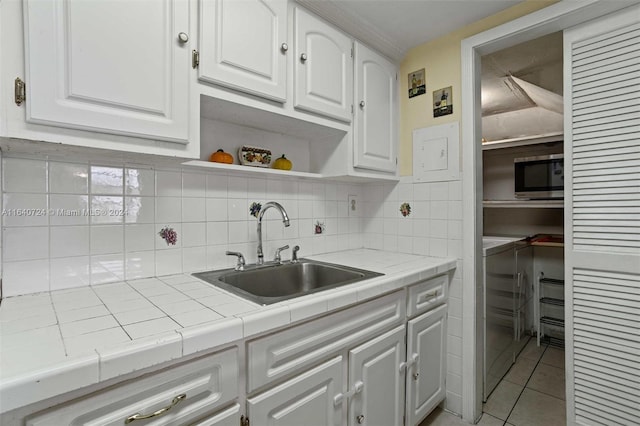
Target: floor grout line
(525,384)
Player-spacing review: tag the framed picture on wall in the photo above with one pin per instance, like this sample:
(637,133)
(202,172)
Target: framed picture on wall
(442,102)
(417,84)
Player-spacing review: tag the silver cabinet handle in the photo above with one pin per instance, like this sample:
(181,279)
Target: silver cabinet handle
(303,58)
(361,104)
(183,37)
(160,412)
(360,419)
(284,47)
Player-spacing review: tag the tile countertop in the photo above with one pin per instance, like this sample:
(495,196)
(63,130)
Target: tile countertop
(52,343)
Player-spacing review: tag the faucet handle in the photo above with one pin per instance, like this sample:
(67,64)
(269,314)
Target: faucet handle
(241,262)
(294,256)
(278,258)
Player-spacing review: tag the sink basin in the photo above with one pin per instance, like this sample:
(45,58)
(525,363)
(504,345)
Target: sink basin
(273,283)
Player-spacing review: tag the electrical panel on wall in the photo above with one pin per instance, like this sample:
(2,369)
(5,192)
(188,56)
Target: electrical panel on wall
(436,153)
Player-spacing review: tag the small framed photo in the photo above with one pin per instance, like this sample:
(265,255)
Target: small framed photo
(442,102)
(417,83)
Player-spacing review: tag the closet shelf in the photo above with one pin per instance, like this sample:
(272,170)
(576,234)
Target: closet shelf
(558,322)
(553,341)
(552,301)
(553,281)
(527,204)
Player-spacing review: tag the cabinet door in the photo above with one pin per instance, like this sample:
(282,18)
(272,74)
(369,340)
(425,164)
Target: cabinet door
(375,368)
(375,130)
(323,68)
(109,66)
(426,347)
(227,417)
(241,45)
(308,399)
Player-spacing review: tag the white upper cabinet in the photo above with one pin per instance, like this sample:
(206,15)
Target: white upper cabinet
(244,45)
(323,68)
(375,127)
(110,67)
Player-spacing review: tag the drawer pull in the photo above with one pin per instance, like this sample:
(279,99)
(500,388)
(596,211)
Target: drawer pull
(160,412)
(431,295)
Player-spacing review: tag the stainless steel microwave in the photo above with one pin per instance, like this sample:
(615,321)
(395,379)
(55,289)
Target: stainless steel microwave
(540,177)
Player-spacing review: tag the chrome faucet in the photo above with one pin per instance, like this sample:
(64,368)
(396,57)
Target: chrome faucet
(285,220)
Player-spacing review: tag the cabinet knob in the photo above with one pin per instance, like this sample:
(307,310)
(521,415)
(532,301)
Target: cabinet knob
(183,37)
(284,47)
(361,104)
(415,376)
(360,419)
(303,58)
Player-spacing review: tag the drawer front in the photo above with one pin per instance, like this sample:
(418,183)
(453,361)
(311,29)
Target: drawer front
(207,384)
(275,356)
(427,294)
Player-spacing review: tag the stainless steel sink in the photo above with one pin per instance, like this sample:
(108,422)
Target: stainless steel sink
(273,283)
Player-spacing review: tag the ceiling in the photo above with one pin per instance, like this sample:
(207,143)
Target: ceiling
(395,26)
(522,90)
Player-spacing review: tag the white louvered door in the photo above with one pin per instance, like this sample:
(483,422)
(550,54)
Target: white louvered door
(602,219)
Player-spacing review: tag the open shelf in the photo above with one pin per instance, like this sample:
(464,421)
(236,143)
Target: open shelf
(265,171)
(250,170)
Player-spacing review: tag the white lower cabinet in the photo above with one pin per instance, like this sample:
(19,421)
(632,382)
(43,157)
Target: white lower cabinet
(376,379)
(426,365)
(308,399)
(177,396)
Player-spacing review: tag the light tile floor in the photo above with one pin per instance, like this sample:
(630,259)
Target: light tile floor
(530,394)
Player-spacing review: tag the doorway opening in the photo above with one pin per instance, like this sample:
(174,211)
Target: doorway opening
(558,17)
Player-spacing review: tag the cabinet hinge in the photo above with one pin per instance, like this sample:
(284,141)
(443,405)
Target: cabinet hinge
(244,421)
(20,91)
(195,59)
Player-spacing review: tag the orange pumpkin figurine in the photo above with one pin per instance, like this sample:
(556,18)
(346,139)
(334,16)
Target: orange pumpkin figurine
(221,157)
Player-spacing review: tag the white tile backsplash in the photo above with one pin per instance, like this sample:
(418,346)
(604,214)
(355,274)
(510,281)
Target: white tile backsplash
(66,209)
(68,241)
(68,178)
(26,243)
(107,180)
(24,175)
(25,209)
(106,239)
(140,181)
(168,184)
